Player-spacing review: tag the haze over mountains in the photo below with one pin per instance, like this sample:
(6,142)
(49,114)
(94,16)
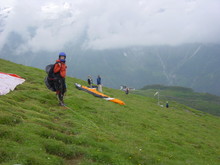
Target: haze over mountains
(191,65)
(124,50)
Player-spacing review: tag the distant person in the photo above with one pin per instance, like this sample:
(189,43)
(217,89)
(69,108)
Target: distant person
(167,105)
(90,81)
(99,83)
(60,74)
(126,90)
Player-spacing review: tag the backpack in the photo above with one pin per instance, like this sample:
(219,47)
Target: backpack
(49,70)
(49,79)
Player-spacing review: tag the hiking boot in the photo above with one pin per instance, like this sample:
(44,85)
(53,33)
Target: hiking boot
(61,103)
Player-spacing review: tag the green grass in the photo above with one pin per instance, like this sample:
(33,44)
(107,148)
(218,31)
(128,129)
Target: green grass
(35,131)
(201,101)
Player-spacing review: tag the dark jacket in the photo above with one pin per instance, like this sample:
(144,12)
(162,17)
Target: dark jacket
(90,81)
(99,81)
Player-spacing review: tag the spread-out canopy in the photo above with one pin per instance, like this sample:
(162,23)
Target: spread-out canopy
(8,82)
(94,92)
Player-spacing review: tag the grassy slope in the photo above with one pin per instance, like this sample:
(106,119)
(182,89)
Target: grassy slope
(200,101)
(34,130)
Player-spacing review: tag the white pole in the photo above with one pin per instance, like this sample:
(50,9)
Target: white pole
(158,98)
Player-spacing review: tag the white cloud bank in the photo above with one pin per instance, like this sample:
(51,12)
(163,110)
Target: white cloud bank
(51,24)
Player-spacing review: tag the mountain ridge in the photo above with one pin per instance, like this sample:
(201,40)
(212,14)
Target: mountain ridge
(190,65)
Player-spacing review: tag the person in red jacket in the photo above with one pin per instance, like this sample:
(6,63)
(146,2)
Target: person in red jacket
(60,74)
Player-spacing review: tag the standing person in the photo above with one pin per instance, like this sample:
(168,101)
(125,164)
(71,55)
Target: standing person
(99,83)
(60,74)
(167,105)
(127,91)
(90,81)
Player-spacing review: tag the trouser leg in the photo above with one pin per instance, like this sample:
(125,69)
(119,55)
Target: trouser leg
(100,88)
(60,90)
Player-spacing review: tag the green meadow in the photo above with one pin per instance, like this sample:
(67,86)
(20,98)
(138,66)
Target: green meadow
(201,101)
(34,130)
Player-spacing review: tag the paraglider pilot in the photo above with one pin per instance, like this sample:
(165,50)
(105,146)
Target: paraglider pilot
(99,83)
(60,74)
(90,81)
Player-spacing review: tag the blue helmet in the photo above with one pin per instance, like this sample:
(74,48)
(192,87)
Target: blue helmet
(62,54)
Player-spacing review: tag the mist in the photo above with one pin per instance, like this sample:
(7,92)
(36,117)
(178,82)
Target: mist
(100,24)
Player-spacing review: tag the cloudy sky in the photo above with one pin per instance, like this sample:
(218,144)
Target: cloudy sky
(103,24)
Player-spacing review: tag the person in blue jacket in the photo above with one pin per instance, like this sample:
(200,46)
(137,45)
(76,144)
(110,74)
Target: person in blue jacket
(99,83)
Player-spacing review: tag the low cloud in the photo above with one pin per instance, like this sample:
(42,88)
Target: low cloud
(102,24)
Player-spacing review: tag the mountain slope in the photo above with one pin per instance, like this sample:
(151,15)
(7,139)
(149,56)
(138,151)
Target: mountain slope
(189,65)
(34,130)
